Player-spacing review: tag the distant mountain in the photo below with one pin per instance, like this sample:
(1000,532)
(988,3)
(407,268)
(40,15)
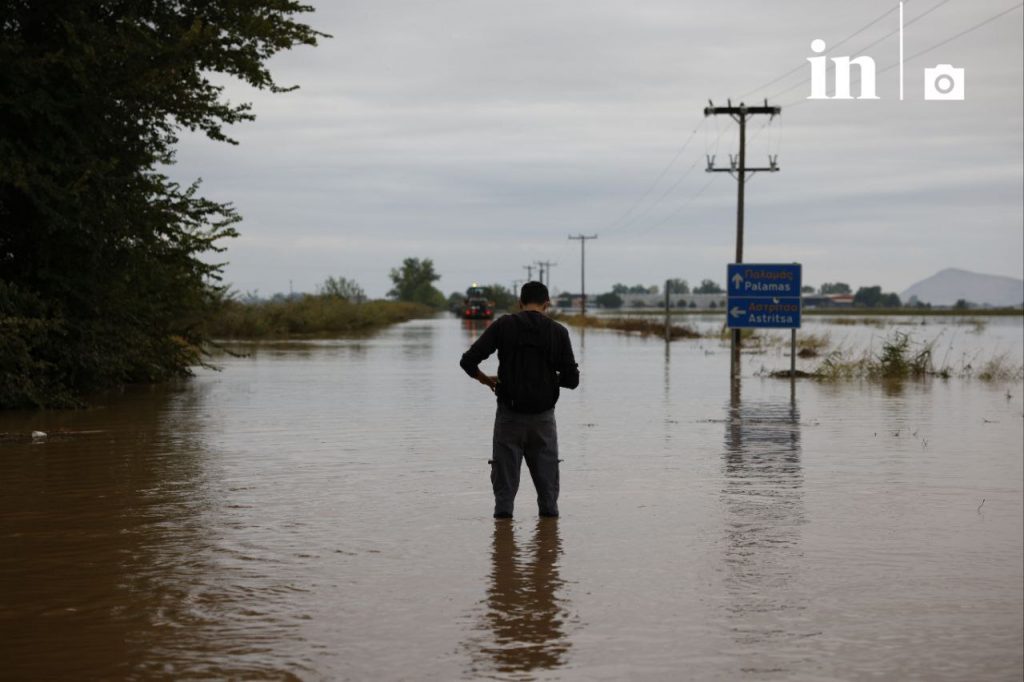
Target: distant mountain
(950,285)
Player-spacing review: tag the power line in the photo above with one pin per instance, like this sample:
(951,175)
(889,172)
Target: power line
(693,133)
(954,37)
(645,212)
(661,198)
(870,45)
(679,208)
(834,47)
(936,46)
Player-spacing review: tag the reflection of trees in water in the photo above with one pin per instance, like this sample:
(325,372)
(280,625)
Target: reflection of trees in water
(122,555)
(525,617)
(763,503)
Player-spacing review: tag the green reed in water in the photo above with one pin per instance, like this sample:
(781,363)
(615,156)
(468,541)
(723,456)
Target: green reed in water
(901,358)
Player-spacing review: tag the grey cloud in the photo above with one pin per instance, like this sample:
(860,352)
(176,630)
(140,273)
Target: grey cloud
(481,133)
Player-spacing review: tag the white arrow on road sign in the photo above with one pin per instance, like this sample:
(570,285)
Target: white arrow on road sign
(736,312)
(737,279)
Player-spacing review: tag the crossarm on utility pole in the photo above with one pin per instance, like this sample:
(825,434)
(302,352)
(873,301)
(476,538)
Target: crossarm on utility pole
(739,170)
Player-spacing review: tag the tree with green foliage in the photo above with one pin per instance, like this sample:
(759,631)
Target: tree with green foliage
(807,289)
(341,287)
(609,300)
(835,288)
(961,304)
(456,300)
(414,282)
(502,298)
(868,296)
(890,300)
(678,286)
(708,286)
(635,289)
(872,297)
(105,269)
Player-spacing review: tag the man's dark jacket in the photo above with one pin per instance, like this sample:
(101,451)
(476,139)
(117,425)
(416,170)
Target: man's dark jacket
(529,344)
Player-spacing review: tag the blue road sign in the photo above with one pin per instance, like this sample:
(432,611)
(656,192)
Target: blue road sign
(764,295)
(754,279)
(779,312)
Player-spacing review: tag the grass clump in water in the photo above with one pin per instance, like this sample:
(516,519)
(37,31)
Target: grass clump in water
(1000,368)
(899,359)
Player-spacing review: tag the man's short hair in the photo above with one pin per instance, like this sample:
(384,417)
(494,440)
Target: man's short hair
(534,292)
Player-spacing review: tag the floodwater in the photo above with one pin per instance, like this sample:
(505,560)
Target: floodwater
(321,510)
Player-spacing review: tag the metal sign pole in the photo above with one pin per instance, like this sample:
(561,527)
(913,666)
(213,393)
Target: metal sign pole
(792,360)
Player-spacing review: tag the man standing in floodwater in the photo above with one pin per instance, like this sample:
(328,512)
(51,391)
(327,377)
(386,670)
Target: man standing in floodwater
(534,359)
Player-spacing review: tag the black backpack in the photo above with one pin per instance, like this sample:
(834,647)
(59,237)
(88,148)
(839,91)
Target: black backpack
(532,383)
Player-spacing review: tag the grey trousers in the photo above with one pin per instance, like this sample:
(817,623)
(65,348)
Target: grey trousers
(532,437)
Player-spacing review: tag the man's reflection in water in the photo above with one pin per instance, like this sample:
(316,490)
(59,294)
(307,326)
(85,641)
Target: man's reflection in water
(525,616)
(763,504)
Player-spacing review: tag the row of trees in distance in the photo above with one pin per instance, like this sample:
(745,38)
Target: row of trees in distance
(867,297)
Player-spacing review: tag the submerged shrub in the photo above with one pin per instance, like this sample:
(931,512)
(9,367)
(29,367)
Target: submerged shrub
(899,361)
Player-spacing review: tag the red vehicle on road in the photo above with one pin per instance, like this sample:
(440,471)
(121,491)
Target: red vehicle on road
(476,306)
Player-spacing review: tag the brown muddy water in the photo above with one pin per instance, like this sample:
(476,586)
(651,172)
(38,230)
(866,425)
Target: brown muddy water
(321,510)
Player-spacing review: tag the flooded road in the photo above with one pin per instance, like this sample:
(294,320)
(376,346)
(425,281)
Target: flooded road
(321,510)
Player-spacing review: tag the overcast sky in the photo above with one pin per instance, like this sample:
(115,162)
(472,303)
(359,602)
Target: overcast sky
(481,133)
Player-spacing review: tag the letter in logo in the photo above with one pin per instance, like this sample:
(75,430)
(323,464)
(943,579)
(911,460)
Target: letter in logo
(819,78)
(944,82)
(818,67)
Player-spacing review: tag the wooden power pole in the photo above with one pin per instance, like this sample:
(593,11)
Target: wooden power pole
(583,269)
(738,169)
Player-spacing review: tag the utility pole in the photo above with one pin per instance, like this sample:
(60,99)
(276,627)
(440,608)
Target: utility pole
(738,169)
(545,268)
(668,312)
(529,272)
(583,269)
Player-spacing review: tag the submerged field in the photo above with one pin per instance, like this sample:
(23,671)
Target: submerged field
(321,509)
(857,346)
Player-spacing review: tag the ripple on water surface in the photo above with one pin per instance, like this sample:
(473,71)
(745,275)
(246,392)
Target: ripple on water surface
(321,510)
